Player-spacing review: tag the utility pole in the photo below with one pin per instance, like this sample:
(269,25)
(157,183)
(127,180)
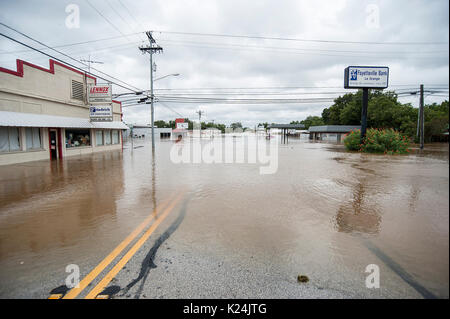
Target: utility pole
(200,112)
(421,118)
(152,47)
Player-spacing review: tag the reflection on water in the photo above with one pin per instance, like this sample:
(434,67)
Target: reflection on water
(309,215)
(358,215)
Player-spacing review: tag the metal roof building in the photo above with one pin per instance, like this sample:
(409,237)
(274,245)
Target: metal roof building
(331,132)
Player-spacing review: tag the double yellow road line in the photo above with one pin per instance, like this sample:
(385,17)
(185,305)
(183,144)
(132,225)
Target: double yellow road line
(74,292)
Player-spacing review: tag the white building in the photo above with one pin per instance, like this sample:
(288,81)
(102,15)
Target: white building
(145,132)
(44,115)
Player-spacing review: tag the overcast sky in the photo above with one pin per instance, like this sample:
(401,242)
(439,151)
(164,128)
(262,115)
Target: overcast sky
(315,42)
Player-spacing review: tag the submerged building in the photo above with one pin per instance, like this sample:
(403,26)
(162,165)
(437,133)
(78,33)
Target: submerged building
(44,114)
(331,132)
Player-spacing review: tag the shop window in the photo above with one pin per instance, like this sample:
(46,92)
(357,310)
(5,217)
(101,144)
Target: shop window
(99,137)
(33,138)
(9,139)
(115,137)
(164,135)
(107,137)
(77,138)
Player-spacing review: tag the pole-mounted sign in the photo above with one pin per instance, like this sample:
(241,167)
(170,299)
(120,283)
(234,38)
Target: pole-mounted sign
(181,124)
(365,78)
(99,93)
(100,102)
(101,113)
(371,77)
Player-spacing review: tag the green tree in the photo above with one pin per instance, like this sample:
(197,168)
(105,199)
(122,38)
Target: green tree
(436,119)
(311,121)
(161,123)
(236,125)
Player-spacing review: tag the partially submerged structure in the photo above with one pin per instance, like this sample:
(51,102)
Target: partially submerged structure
(331,132)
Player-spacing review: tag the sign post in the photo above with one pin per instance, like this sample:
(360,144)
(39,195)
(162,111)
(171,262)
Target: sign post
(365,78)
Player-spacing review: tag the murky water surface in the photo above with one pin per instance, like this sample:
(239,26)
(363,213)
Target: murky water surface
(324,209)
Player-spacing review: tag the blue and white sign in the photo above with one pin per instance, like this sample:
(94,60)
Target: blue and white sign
(371,77)
(101,113)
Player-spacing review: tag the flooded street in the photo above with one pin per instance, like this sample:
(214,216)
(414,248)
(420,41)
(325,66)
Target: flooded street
(325,213)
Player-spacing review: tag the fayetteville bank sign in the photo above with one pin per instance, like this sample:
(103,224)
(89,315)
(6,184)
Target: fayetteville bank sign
(365,78)
(370,77)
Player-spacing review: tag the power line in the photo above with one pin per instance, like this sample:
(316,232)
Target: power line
(303,49)
(62,61)
(106,19)
(75,43)
(296,39)
(306,53)
(168,107)
(120,16)
(64,54)
(293,50)
(131,14)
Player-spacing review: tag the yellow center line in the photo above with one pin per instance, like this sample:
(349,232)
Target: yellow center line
(122,262)
(74,292)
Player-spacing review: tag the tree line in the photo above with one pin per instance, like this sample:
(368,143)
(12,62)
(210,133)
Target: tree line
(384,111)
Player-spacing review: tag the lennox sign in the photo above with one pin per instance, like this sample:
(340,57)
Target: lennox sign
(371,77)
(99,93)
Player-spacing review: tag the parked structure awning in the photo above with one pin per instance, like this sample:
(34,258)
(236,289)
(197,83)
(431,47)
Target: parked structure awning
(111,125)
(43,120)
(287,126)
(333,128)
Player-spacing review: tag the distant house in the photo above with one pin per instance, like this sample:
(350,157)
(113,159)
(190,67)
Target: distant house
(145,132)
(331,132)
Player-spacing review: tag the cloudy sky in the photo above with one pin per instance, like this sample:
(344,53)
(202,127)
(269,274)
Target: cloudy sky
(227,51)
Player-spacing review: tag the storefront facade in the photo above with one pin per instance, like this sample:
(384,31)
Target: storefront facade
(44,115)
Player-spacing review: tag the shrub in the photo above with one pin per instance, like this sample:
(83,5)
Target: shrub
(352,140)
(387,141)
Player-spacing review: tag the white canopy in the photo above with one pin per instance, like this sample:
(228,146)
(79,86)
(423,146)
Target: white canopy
(43,120)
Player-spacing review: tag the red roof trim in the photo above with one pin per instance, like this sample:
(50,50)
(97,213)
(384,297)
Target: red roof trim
(21,63)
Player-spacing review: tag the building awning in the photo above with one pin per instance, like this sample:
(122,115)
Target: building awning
(333,128)
(287,126)
(44,120)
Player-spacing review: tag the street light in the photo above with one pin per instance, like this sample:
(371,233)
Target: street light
(165,76)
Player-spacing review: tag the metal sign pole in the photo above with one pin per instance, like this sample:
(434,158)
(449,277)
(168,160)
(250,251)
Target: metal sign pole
(365,102)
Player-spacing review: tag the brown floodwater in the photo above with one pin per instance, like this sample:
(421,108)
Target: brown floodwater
(328,210)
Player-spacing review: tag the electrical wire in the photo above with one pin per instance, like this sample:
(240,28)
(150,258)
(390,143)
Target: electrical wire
(296,39)
(64,54)
(62,61)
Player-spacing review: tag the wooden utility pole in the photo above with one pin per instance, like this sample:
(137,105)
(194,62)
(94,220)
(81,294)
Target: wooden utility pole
(421,118)
(150,49)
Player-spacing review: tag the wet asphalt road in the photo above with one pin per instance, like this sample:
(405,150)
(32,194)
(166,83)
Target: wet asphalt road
(235,233)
